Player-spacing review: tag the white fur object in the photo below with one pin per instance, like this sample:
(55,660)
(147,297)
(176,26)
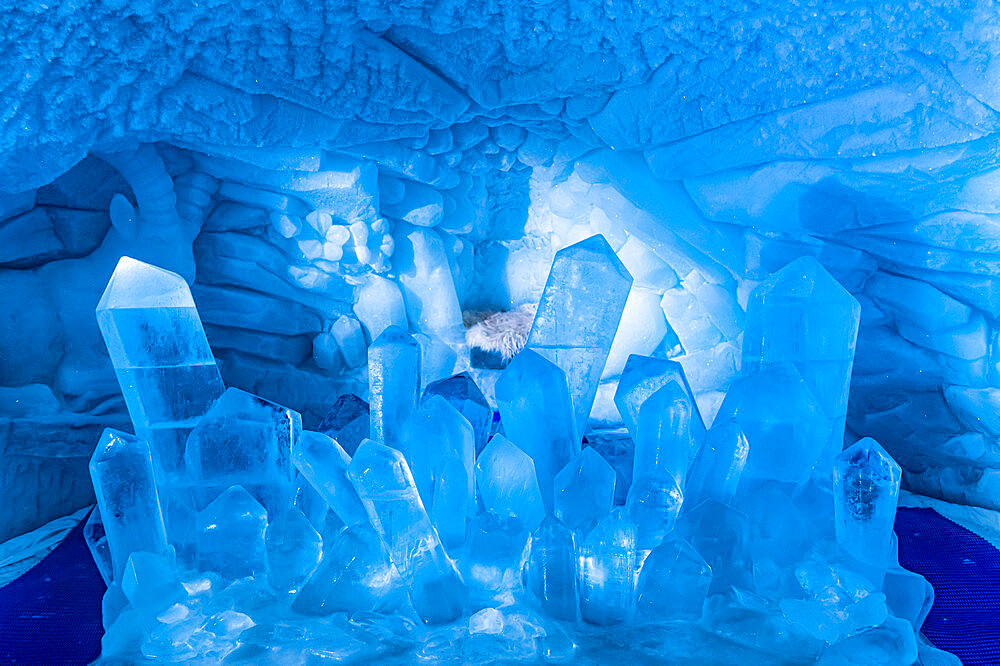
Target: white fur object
(502,332)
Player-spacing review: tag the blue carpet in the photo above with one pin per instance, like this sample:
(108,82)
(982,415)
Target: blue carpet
(52,614)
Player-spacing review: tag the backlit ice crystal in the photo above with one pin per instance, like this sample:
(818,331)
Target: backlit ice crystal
(158,346)
(287,544)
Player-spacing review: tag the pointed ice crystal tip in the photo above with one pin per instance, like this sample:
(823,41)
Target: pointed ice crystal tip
(136,284)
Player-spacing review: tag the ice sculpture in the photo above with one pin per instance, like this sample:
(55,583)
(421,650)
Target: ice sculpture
(578,316)
(282,544)
(161,355)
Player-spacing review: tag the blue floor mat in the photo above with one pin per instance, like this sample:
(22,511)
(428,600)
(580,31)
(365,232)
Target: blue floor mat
(52,614)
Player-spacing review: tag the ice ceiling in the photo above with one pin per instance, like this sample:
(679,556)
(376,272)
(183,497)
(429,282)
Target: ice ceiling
(280,153)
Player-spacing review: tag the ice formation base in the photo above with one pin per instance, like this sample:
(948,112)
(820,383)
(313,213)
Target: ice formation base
(417,526)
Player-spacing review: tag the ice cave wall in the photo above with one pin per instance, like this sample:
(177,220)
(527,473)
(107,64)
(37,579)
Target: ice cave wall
(280,154)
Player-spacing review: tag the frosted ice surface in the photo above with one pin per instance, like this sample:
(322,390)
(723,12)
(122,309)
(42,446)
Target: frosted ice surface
(158,346)
(578,317)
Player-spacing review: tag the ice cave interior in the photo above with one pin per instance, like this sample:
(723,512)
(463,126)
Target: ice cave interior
(321,172)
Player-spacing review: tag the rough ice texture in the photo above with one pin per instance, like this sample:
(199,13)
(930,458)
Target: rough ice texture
(864,137)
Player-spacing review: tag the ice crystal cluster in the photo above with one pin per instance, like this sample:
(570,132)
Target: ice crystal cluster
(431,524)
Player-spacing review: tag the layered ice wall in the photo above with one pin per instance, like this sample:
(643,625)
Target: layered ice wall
(322,171)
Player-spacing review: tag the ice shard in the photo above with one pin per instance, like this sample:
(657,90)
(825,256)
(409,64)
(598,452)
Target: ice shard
(244,440)
(293,548)
(164,364)
(394,377)
(550,572)
(607,562)
(584,490)
(803,317)
(664,443)
(125,485)
(231,535)
(537,415)
(642,377)
(721,535)
(463,394)
(97,544)
(673,583)
(507,483)
(866,491)
(323,463)
(386,487)
(578,317)
(354,575)
(718,466)
(348,422)
(785,427)
(439,446)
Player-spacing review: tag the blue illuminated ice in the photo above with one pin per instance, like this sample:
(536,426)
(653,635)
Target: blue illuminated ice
(158,346)
(507,483)
(122,472)
(537,415)
(248,441)
(584,490)
(866,490)
(578,316)
(394,376)
(802,316)
(287,542)
(387,489)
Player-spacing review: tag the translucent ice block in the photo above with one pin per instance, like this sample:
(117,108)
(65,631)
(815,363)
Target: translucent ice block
(157,344)
(802,316)
(507,485)
(348,422)
(464,395)
(231,533)
(607,562)
(673,582)
(394,376)
(386,487)
(324,464)
(642,377)
(866,490)
(584,490)
(578,316)
(537,415)
(122,472)
(244,440)
(550,571)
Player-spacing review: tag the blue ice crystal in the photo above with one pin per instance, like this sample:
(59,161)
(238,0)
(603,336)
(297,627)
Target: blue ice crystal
(281,538)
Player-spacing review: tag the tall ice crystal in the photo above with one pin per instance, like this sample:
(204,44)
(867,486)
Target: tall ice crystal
(803,317)
(386,487)
(394,377)
(122,472)
(866,491)
(578,317)
(157,344)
